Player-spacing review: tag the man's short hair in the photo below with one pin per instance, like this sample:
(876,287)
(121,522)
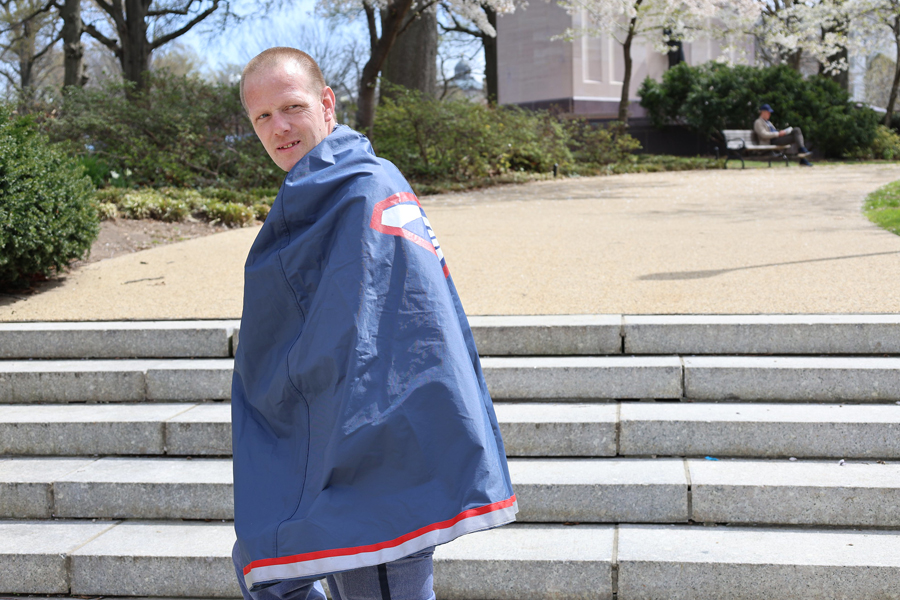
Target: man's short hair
(273,56)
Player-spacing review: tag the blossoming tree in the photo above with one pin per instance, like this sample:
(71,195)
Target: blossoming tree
(659,21)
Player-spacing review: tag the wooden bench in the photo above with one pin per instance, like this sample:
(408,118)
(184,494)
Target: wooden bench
(739,142)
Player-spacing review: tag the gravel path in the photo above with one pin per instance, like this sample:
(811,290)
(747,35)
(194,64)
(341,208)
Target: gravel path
(779,240)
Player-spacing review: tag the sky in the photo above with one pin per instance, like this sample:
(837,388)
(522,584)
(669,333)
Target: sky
(294,24)
(243,41)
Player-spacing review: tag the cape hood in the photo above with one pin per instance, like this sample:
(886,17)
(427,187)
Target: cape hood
(362,426)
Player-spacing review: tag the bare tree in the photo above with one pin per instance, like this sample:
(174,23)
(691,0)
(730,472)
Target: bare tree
(29,35)
(142,26)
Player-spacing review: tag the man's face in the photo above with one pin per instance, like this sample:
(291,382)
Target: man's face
(766,115)
(289,119)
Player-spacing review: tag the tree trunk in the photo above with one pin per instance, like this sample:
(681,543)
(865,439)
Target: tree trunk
(896,84)
(392,18)
(26,51)
(412,61)
(73,49)
(135,53)
(491,69)
(626,79)
(842,78)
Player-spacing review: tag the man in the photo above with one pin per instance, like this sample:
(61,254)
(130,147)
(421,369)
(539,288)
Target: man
(363,432)
(792,136)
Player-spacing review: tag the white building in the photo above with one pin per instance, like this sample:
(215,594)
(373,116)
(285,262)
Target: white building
(583,77)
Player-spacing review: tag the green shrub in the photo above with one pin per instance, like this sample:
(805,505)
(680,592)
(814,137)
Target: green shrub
(458,140)
(151,204)
(596,146)
(231,214)
(714,96)
(107,211)
(177,204)
(261,211)
(886,144)
(47,217)
(181,131)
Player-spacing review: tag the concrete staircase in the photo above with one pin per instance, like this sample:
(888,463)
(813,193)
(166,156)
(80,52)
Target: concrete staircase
(653,457)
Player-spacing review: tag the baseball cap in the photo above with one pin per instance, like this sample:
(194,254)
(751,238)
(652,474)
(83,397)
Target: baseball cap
(766,107)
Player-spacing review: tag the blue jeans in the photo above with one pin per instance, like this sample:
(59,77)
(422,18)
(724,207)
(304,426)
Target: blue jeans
(409,578)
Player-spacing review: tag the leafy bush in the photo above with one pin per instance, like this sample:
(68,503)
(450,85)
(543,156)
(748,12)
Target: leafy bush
(597,146)
(176,204)
(261,211)
(886,144)
(181,131)
(151,204)
(715,96)
(230,213)
(47,218)
(457,140)
(107,211)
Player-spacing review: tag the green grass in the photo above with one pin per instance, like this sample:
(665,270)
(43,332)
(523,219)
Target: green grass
(882,207)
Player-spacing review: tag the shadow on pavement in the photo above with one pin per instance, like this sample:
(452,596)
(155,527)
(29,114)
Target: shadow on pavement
(679,275)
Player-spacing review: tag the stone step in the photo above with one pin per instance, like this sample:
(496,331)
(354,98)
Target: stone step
(792,379)
(580,378)
(527,562)
(154,380)
(194,560)
(494,336)
(555,490)
(759,430)
(711,563)
(108,429)
(529,429)
(112,488)
(210,379)
(117,339)
(833,493)
(680,429)
(547,335)
(769,492)
(761,334)
(741,378)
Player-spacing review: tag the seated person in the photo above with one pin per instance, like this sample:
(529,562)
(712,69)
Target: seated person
(766,133)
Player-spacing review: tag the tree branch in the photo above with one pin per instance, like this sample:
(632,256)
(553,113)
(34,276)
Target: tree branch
(108,42)
(48,47)
(190,24)
(106,6)
(373,29)
(459,27)
(414,14)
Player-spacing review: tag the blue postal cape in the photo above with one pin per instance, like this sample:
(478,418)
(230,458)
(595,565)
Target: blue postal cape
(362,427)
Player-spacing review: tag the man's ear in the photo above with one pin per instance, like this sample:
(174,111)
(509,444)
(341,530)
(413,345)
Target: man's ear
(328,103)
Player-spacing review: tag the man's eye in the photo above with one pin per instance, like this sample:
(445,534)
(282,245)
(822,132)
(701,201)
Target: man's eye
(262,116)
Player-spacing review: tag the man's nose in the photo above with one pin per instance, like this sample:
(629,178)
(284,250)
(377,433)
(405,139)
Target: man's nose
(280,124)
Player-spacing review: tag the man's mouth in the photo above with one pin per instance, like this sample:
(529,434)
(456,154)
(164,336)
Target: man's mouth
(291,145)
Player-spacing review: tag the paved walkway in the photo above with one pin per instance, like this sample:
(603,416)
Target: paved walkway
(779,240)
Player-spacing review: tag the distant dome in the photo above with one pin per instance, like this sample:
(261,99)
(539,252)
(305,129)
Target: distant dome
(462,70)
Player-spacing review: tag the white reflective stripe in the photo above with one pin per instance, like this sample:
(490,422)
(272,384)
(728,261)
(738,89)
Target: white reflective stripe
(400,214)
(333,564)
(434,241)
